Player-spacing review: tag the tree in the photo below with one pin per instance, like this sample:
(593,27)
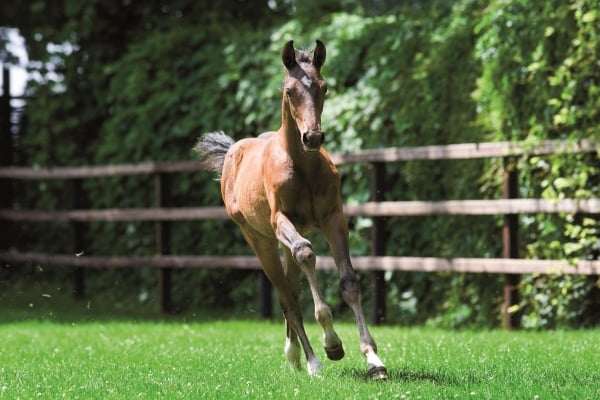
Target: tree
(128,81)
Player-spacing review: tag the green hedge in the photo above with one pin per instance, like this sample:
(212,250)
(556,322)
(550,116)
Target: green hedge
(437,73)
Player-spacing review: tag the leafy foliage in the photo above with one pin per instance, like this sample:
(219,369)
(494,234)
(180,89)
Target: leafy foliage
(539,81)
(128,82)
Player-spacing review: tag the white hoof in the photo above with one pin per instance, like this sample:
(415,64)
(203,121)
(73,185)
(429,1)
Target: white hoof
(314,368)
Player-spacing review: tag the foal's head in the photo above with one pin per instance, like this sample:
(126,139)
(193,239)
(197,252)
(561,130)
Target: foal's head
(304,92)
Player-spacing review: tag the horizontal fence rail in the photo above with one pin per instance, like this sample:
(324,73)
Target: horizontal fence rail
(118,214)
(465,151)
(105,171)
(473,207)
(394,154)
(365,263)
(164,213)
(368,209)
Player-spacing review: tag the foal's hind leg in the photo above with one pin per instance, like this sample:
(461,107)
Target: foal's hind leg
(267,251)
(292,345)
(331,342)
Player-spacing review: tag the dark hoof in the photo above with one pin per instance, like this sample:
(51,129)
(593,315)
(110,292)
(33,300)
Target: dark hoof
(335,353)
(377,373)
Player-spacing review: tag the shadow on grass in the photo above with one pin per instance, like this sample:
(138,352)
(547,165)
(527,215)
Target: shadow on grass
(403,376)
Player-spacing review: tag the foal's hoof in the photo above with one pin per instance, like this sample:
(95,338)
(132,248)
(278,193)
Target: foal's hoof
(377,373)
(335,353)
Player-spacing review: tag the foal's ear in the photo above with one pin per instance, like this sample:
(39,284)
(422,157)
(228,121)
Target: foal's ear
(319,55)
(288,55)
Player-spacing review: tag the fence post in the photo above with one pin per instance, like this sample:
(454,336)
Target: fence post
(378,244)
(163,241)
(5,155)
(510,245)
(77,229)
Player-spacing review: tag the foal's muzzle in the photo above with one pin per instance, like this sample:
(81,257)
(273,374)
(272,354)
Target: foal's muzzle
(312,141)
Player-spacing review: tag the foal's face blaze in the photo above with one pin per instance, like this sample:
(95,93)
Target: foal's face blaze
(304,92)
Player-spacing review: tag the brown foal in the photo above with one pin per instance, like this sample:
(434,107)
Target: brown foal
(281,185)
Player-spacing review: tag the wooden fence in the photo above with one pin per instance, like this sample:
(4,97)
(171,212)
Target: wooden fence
(165,213)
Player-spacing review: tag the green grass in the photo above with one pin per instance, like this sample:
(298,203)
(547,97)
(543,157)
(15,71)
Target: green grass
(53,350)
(243,359)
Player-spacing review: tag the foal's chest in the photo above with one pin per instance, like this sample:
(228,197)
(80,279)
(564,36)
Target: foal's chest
(307,199)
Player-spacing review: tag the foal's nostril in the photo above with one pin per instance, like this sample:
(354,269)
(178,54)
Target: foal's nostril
(305,139)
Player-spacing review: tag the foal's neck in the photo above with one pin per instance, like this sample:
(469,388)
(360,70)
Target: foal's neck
(290,135)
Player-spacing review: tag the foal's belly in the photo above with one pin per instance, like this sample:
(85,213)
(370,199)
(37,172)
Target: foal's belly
(242,187)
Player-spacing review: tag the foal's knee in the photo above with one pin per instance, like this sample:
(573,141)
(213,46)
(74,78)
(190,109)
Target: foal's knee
(303,253)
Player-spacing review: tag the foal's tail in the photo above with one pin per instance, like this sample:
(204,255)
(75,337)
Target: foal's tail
(211,148)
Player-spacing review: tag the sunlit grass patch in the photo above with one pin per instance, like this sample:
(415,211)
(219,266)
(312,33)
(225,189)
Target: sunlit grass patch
(244,359)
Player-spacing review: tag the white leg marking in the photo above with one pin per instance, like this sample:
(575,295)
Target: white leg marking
(315,367)
(292,352)
(373,359)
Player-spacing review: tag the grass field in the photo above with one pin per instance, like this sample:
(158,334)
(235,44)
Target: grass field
(48,353)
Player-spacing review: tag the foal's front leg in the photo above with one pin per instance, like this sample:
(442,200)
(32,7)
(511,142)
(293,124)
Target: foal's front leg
(267,251)
(335,230)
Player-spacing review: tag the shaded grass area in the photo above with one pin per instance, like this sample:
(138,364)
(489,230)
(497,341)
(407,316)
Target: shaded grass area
(49,300)
(60,350)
